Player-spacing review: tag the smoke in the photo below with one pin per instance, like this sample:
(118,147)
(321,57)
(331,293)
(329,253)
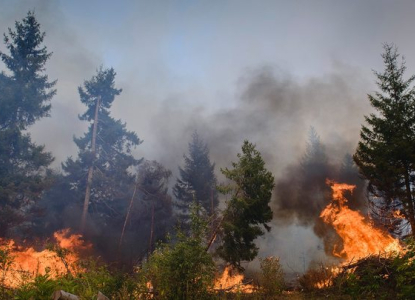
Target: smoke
(275,111)
(268,105)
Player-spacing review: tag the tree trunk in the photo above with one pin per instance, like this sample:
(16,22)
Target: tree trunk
(91,167)
(410,205)
(151,229)
(215,233)
(127,217)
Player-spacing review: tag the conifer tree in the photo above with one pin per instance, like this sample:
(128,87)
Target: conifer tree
(386,152)
(25,95)
(197,181)
(248,208)
(101,174)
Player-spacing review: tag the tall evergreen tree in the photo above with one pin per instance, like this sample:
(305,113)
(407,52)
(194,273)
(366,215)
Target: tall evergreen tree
(386,152)
(101,174)
(197,181)
(25,95)
(248,207)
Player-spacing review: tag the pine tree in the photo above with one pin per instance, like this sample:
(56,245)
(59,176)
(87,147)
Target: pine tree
(150,209)
(101,174)
(386,152)
(315,170)
(197,181)
(25,95)
(248,207)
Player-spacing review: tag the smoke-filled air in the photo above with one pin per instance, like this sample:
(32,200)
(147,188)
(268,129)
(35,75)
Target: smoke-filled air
(204,149)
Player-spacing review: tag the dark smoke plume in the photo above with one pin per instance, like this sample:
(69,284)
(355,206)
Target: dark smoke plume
(275,111)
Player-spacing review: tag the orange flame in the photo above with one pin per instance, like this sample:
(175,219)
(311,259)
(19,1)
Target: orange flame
(26,263)
(231,281)
(359,237)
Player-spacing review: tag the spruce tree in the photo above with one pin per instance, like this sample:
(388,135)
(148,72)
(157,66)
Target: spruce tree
(25,95)
(248,207)
(386,152)
(197,181)
(101,175)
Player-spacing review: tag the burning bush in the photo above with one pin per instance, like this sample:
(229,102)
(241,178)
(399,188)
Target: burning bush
(376,276)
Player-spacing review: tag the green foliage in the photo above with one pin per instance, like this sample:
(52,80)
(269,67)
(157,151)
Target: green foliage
(183,270)
(27,91)
(405,267)
(248,207)
(272,277)
(85,285)
(112,161)
(154,212)
(197,181)
(25,94)
(386,151)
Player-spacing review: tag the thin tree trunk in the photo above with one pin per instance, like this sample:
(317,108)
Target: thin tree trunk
(211,202)
(410,205)
(91,167)
(151,229)
(127,216)
(214,233)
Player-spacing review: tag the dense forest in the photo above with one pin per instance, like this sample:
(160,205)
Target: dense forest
(144,234)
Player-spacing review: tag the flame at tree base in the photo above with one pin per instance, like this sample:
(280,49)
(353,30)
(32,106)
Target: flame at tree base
(24,264)
(359,238)
(233,282)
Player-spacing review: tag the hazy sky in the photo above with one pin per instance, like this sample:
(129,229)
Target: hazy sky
(262,70)
(178,59)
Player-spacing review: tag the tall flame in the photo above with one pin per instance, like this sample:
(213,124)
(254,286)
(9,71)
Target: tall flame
(359,237)
(26,263)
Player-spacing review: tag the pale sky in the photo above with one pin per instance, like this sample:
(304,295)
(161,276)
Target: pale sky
(194,53)
(184,65)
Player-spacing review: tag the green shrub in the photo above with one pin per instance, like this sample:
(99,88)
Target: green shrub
(405,268)
(272,277)
(183,270)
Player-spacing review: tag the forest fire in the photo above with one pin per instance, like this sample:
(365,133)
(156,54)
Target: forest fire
(359,237)
(232,282)
(23,264)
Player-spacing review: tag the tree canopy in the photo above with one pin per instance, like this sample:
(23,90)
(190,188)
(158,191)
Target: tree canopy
(105,153)
(248,207)
(386,152)
(197,181)
(25,95)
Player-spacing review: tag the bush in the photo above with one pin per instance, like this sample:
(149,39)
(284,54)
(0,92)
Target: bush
(184,270)
(85,285)
(272,277)
(405,267)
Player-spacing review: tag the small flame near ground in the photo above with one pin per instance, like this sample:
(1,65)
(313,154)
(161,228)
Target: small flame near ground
(25,263)
(232,281)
